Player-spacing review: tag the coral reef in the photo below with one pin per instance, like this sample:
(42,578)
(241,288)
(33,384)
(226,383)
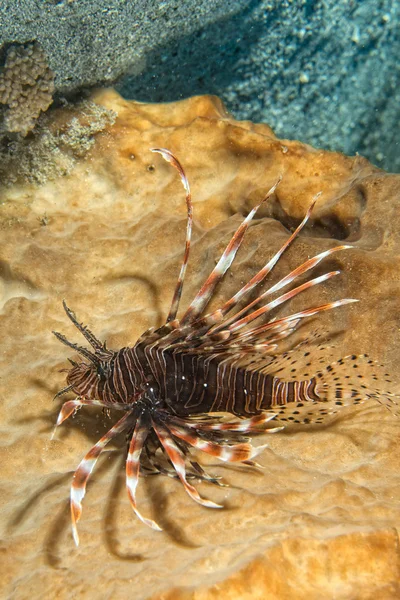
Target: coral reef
(322,517)
(57,142)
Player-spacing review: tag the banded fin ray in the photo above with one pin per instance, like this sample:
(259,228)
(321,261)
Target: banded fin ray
(206,291)
(136,445)
(85,468)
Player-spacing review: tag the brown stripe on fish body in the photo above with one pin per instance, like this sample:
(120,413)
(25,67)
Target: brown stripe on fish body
(107,394)
(135,367)
(140,355)
(91,383)
(286,392)
(310,391)
(253,392)
(126,373)
(185,383)
(195,384)
(118,378)
(196,395)
(158,364)
(121,382)
(132,376)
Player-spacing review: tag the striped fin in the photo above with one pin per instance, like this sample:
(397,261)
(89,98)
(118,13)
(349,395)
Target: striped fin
(309,264)
(285,281)
(169,157)
(349,381)
(281,300)
(310,312)
(269,344)
(85,468)
(277,330)
(228,453)
(301,362)
(204,295)
(200,473)
(266,270)
(178,461)
(256,424)
(263,337)
(70,407)
(356,379)
(133,467)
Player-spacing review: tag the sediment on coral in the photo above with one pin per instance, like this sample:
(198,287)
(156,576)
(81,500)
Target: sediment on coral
(53,147)
(37,145)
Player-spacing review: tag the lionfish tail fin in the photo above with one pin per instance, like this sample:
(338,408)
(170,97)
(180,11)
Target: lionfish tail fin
(357,379)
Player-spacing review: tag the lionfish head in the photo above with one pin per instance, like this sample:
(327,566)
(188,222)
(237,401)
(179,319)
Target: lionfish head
(82,377)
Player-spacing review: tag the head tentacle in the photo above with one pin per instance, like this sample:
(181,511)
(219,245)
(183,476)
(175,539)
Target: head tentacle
(85,331)
(80,349)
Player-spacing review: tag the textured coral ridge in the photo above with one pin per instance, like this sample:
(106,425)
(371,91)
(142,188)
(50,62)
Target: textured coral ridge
(321,518)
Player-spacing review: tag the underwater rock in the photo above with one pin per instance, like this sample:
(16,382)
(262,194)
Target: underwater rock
(93,42)
(321,517)
(323,72)
(60,138)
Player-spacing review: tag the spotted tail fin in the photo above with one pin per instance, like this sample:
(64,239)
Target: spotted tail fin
(354,380)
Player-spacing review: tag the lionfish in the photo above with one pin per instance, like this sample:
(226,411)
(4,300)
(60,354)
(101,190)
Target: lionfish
(172,382)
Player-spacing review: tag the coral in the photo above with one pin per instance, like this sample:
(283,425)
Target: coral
(54,146)
(26,87)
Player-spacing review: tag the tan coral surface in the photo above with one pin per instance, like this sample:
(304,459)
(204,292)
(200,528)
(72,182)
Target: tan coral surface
(321,519)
